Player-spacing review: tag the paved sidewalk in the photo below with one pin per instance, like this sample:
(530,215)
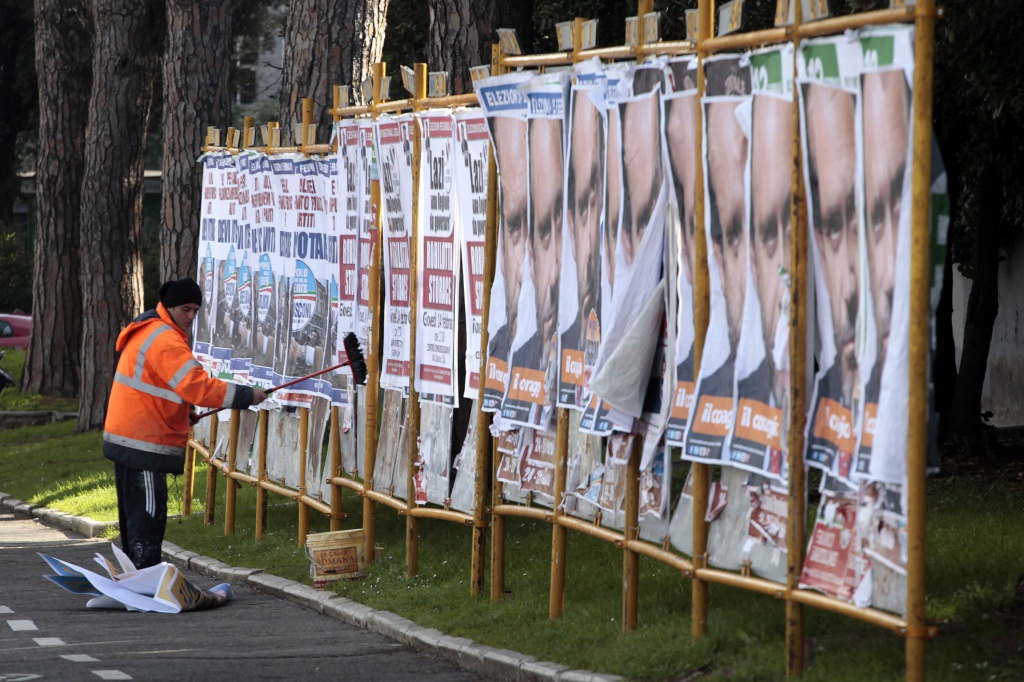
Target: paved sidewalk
(502,664)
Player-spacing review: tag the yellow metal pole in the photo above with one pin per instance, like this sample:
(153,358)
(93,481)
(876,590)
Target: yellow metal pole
(701,298)
(261,475)
(303,456)
(230,492)
(798,289)
(412,413)
(211,477)
(372,354)
(631,532)
(556,605)
(920,264)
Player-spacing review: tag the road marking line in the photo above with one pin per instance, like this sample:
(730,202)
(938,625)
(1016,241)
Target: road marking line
(111,675)
(79,658)
(5,609)
(48,641)
(22,625)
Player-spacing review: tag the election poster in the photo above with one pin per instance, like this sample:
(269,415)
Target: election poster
(680,141)
(349,182)
(726,108)
(599,418)
(243,311)
(308,251)
(505,108)
(759,436)
(367,229)
(828,71)
(529,398)
(394,143)
(265,264)
(216,236)
(579,302)
(833,564)
(886,161)
(470,173)
(336,382)
(437,262)
(627,353)
(537,465)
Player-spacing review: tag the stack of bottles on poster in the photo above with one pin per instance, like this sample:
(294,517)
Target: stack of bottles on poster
(591,308)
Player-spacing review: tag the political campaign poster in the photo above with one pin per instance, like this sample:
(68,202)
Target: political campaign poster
(243,311)
(886,85)
(585,455)
(882,530)
(394,143)
(579,303)
(266,266)
(367,229)
(349,182)
(505,109)
(680,141)
(216,234)
(629,346)
(334,348)
(828,71)
(392,447)
(599,418)
(612,497)
(470,173)
(530,396)
(758,441)
(463,493)
(433,459)
(726,109)
(833,562)
(537,465)
(437,262)
(308,252)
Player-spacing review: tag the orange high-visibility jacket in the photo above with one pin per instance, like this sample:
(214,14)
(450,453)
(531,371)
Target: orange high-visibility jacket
(157,380)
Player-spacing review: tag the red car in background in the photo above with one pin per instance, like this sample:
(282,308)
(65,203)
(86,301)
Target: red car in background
(15,330)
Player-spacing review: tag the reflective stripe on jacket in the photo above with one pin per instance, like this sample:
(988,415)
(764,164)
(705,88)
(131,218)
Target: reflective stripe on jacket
(157,381)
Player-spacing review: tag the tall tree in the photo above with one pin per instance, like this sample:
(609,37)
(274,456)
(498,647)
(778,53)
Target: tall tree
(63,35)
(328,43)
(129,37)
(197,74)
(462,32)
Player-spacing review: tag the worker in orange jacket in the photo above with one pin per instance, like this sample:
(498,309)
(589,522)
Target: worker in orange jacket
(150,410)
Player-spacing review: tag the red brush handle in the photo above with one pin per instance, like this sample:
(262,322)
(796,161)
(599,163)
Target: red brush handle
(277,388)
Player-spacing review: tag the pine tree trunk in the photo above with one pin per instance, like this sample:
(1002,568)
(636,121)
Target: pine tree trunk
(197,72)
(462,32)
(63,34)
(126,61)
(328,43)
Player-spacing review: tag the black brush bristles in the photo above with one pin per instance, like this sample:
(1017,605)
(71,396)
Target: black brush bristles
(356,361)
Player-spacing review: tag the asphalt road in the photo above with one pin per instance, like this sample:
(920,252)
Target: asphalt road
(48,634)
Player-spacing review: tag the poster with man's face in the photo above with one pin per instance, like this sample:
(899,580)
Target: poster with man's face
(681,135)
(726,156)
(534,361)
(829,94)
(580,296)
(758,439)
(505,108)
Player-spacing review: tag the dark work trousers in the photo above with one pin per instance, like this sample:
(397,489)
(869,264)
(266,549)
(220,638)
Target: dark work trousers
(142,508)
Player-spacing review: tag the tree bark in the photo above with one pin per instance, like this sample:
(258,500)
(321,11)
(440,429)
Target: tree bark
(63,35)
(982,309)
(462,32)
(197,94)
(19,97)
(126,61)
(328,43)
